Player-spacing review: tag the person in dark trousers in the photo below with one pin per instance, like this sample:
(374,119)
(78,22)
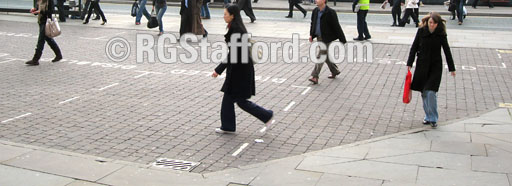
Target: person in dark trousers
(85,10)
(239,84)
(62,13)
(190,12)
(362,26)
(246,6)
(95,4)
(186,17)
(326,28)
(44,11)
(475,3)
(295,3)
(431,36)
(160,6)
(205,10)
(460,10)
(396,11)
(409,12)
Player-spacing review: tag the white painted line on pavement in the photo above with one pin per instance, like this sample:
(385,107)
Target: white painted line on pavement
(9,60)
(504,66)
(305,91)
(3,54)
(145,73)
(262,130)
(109,86)
(17,117)
(240,149)
(289,106)
(68,100)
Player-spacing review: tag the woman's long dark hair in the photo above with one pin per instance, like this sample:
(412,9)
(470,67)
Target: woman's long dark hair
(441,23)
(237,18)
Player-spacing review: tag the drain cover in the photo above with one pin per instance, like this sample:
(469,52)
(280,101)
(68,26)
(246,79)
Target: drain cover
(175,164)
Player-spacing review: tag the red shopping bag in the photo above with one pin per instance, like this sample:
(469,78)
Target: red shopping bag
(407,87)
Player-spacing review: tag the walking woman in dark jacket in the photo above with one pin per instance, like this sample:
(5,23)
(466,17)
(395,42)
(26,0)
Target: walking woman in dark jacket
(44,11)
(431,36)
(95,4)
(239,85)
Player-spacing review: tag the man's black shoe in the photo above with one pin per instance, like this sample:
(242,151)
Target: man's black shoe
(32,63)
(358,39)
(57,59)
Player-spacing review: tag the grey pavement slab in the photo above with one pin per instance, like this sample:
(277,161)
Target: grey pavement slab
(443,177)
(83,183)
(12,176)
(142,176)
(334,179)
(499,115)
(489,128)
(510,179)
(65,165)
(369,169)
(493,151)
(389,152)
(477,149)
(278,176)
(432,159)
(8,152)
(356,152)
(402,144)
(492,164)
(448,136)
(454,127)
(482,139)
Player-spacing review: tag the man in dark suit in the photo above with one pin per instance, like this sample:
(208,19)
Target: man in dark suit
(326,28)
(186,17)
(295,3)
(396,11)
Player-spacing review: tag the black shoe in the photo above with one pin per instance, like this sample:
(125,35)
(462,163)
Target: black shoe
(394,24)
(85,22)
(474,7)
(417,25)
(96,18)
(205,34)
(433,125)
(305,14)
(32,63)
(426,122)
(104,22)
(453,18)
(408,21)
(367,38)
(358,39)
(289,17)
(252,20)
(57,59)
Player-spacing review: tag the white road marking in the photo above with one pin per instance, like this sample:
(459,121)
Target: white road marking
(305,91)
(289,106)
(17,117)
(68,100)
(9,60)
(145,73)
(109,86)
(504,66)
(262,130)
(240,149)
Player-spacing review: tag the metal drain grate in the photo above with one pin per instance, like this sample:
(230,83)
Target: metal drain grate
(175,164)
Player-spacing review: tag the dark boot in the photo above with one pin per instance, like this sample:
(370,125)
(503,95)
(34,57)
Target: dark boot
(32,63)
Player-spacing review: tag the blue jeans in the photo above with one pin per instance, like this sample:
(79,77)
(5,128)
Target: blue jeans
(159,14)
(205,11)
(430,105)
(460,11)
(142,11)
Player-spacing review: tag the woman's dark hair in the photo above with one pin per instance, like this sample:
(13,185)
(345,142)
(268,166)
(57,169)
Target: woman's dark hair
(436,17)
(237,18)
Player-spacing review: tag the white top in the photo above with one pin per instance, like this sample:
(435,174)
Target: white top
(412,4)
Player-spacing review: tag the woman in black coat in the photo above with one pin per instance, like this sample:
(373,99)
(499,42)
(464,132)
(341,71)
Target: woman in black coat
(44,11)
(431,36)
(239,85)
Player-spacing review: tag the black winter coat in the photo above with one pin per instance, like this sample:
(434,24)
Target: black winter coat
(429,65)
(46,14)
(239,81)
(329,25)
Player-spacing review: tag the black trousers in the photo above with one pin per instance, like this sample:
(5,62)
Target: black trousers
(248,10)
(96,6)
(396,12)
(227,112)
(409,12)
(62,13)
(40,43)
(362,26)
(292,3)
(86,9)
(475,2)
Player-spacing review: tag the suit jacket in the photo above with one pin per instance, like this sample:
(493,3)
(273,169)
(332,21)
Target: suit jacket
(329,26)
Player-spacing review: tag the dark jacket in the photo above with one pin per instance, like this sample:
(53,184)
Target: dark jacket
(294,1)
(159,3)
(329,26)
(184,11)
(46,14)
(239,81)
(429,65)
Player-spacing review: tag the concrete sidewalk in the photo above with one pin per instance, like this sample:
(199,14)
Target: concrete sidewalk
(346,7)
(474,151)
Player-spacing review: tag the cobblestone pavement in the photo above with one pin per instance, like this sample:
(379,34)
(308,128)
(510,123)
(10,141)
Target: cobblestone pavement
(90,105)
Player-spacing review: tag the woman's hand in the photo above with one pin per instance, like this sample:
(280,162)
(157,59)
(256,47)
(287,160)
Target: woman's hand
(453,73)
(310,39)
(215,74)
(32,10)
(409,67)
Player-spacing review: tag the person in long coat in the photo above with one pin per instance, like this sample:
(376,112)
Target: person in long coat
(239,84)
(44,11)
(429,65)
(191,17)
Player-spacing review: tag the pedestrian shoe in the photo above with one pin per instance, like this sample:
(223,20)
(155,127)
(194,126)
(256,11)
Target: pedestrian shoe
(32,63)
(104,22)
(270,122)
(289,17)
(252,20)
(314,80)
(332,76)
(160,33)
(425,122)
(460,23)
(305,14)
(137,23)
(358,39)
(394,24)
(433,125)
(57,59)
(367,38)
(453,18)
(220,131)
(85,22)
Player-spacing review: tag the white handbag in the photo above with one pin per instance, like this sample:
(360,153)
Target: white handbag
(52,28)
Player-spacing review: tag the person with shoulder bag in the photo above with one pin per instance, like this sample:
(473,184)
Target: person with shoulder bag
(44,10)
(431,36)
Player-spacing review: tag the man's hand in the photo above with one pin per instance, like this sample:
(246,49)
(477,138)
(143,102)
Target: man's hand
(215,74)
